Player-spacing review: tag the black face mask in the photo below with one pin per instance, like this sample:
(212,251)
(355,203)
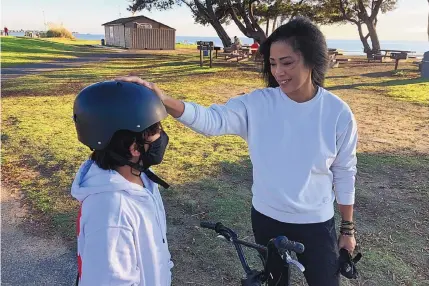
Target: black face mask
(155,153)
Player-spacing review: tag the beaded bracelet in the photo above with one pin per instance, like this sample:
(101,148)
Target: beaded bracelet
(347,228)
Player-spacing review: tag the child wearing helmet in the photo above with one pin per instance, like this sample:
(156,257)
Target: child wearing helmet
(121,227)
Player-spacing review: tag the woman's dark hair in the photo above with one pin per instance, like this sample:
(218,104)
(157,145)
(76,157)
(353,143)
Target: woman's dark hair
(120,144)
(304,37)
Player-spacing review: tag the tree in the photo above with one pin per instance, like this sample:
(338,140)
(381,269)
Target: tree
(249,14)
(360,13)
(203,13)
(242,13)
(279,10)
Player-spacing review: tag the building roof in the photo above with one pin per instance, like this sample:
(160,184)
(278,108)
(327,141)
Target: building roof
(131,19)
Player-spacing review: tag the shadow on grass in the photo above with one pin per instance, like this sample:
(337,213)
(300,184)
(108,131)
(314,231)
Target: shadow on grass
(388,73)
(396,82)
(72,76)
(336,76)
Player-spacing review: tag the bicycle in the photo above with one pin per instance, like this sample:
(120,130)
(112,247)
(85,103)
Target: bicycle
(282,245)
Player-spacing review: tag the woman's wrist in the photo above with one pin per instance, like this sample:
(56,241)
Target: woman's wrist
(174,106)
(347,228)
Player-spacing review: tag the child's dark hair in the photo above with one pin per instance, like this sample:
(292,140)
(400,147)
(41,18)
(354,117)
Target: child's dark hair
(120,144)
(304,37)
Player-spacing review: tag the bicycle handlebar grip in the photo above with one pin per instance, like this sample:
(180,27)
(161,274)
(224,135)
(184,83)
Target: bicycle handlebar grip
(209,225)
(283,244)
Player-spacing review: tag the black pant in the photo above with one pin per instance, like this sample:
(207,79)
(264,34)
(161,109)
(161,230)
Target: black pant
(320,257)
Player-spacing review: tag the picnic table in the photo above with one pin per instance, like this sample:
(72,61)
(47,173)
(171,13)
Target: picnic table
(396,55)
(229,53)
(333,60)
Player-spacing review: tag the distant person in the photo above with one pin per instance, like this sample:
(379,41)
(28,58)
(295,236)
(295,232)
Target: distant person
(254,48)
(6,31)
(302,144)
(236,46)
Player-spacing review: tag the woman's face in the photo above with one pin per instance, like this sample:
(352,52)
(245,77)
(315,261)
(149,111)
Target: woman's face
(288,68)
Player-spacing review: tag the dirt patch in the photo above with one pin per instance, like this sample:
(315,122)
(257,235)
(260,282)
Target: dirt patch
(27,257)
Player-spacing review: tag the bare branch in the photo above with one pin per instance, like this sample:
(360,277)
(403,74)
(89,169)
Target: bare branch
(190,6)
(201,8)
(235,18)
(376,9)
(362,10)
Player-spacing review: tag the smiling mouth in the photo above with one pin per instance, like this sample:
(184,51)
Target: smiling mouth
(285,81)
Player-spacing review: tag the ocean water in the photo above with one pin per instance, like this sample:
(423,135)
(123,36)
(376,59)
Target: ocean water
(350,47)
(90,37)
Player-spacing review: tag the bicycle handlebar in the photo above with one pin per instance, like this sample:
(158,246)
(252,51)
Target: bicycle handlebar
(282,243)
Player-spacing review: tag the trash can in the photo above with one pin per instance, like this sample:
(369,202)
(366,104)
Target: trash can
(205,52)
(424,66)
(102,42)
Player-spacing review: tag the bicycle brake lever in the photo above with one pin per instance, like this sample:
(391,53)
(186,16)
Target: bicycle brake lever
(289,260)
(223,237)
(297,264)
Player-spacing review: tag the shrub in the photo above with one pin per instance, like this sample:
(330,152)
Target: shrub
(59,32)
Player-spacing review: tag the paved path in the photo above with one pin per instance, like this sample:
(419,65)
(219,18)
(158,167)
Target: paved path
(34,68)
(21,70)
(27,259)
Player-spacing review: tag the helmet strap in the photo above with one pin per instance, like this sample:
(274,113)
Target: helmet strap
(154,178)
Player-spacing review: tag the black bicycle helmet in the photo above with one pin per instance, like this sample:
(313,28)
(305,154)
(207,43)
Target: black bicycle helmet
(103,108)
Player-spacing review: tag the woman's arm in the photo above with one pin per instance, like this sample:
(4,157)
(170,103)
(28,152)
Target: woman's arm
(230,118)
(344,168)
(344,171)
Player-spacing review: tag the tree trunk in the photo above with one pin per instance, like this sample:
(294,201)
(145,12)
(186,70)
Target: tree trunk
(258,36)
(274,25)
(250,28)
(374,37)
(364,40)
(268,26)
(208,12)
(222,34)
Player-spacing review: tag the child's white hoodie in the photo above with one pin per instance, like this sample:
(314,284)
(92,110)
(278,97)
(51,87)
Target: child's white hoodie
(121,230)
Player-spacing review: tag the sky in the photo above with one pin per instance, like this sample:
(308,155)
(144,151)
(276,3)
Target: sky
(408,22)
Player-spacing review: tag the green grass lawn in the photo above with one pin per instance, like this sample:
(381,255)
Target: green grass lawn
(186,46)
(211,177)
(17,50)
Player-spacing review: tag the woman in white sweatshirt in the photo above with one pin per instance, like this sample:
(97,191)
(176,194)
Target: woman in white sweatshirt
(121,228)
(302,144)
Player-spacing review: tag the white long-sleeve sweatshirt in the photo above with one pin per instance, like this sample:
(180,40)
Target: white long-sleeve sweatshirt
(121,230)
(303,154)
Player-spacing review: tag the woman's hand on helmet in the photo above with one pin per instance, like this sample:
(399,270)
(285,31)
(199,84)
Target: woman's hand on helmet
(174,107)
(137,80)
